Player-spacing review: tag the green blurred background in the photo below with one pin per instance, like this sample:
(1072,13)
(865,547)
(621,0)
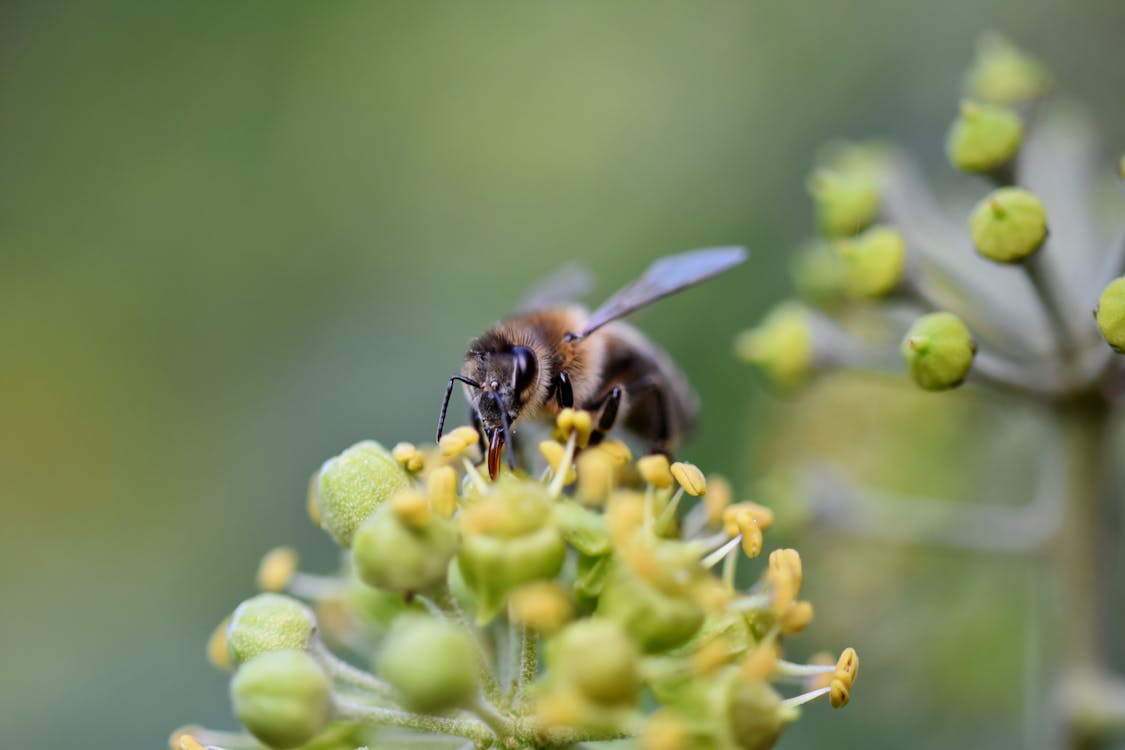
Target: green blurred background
(237,237)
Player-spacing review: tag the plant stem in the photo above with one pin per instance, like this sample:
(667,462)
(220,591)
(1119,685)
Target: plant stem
(388,717)
(1050,296)
(529,662)
(1086,556)
(340,670)
(448,607)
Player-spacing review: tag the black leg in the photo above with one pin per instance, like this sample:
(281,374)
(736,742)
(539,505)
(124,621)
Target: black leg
(564,394)
(607,417)
(651,388)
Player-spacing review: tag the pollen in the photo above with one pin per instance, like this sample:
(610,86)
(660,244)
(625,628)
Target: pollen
(788,558)
(442,487)
(655,471)
(736,516)
(617,450)
(690,478)
(796,618)
(761,663)
(276,569)
(595,476)
(847,667)
(458,441)
(217,646)
(555,455)
(412,508)
(409,457)
(542,606)
(575,421)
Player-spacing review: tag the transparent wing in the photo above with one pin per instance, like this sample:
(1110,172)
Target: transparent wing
(566,285)
(664,277)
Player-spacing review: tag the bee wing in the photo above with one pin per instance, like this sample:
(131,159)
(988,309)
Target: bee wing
(664,277)
(564,286)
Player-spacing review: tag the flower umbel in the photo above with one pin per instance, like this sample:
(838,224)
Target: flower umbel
(455,584)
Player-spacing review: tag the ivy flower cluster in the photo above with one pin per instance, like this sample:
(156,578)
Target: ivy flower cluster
(1022,295)
(583,605)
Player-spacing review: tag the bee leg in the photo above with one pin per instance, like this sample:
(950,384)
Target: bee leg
(564,394)
(651,388)
(607,414)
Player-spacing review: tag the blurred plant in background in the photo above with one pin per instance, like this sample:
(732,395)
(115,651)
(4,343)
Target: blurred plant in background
(1035,314)
(452,584)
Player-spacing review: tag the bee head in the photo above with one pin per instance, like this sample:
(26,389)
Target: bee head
(506,378)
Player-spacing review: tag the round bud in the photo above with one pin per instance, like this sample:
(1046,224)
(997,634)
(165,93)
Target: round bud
(818,273)
(432,663)
(353,484)
(1110,314)
(781,346)
(599,659)
(268,622)
(1003,74)
(875,261)
(650,593)
(846,201)
(283,697)
(508,538)
(756,713)
(938,350)
(983,138)
(1009,225)
(393,554)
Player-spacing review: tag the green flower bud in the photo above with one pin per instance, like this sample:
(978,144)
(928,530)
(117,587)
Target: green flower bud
(375,606)
(393,555)
(756,714)
(582,528)
(508,539)
(352,484)
(875,261)
(283,697)
(650,594)
(939,351)
(781,346)
(1003,74)
(597,658)
(818,272)
(1110,314)
(268,622)
(846,202)
(1009,225)
(433,663)
(983,138)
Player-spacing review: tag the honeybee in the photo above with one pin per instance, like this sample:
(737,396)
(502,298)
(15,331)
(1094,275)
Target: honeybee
(550,355)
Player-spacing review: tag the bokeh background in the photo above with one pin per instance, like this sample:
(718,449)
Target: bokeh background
(237,237)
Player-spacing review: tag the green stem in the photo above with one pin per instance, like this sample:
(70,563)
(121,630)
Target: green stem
(388,717)
(1044,285)
(448,606)
(529,662)
(346,674)
(1087,545)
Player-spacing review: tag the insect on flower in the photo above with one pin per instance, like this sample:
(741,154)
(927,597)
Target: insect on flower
(552,355)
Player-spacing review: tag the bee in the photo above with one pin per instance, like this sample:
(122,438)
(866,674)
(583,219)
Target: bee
(550,356)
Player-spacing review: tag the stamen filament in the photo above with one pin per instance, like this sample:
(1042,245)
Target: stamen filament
(471,471)
(713,559)
(557,483)
(803,698)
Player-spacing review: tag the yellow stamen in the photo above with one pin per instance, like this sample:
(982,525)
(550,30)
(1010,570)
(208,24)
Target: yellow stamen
(187,742)
(411,459)
(761,664)
(796,618)
(654,469)
(310,503)
(617,450)
(576,422)
(277,568)
(717,499)
(412,508)
(595,476)
(689,477)
(791,559)
(847,667)
(458,441)
(752,539)
(217,646)
(735,516)
(556,456)
(442,486)
(542,606)
(664,731)
(625,513)
(710,656)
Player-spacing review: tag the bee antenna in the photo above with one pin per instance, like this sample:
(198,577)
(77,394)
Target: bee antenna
(445,401)
(507,428)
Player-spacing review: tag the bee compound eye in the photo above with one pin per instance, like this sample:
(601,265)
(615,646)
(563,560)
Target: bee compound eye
(526,367)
